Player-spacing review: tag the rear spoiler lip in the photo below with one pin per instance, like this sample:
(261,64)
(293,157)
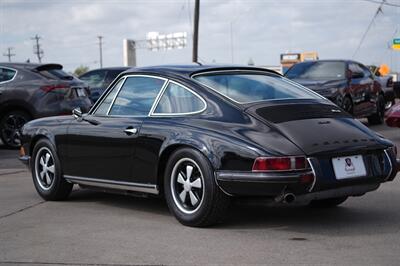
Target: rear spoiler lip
(48,66)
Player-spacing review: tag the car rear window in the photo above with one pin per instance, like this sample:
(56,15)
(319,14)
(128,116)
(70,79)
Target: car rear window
(56,74)
(317,71)
(253,87)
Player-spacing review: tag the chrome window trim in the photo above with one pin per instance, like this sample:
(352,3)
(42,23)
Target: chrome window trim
(157,99)
(9,68)
(258,72)
(153,114)
(121,185)
(119,90)
(109,91)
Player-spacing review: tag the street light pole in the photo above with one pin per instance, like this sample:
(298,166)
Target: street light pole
(196,31)
(101,50)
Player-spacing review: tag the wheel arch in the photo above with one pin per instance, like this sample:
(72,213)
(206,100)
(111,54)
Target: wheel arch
(168,149)
(41,134)
(18,106)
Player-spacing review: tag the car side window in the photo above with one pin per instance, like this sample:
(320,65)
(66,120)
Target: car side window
(94,79)
(356,70)
(6,74)
(105,105)
(178,100)
(366,71)
(136,96)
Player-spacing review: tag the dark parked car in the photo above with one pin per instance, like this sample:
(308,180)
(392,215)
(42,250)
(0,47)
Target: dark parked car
(348,84)
(29,91)
(201,135)
(387,85)
(99,79)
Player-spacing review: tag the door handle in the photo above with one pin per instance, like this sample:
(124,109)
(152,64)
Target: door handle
(130,130)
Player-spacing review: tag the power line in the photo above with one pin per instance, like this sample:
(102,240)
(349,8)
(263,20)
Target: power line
(379,2)
(379,10)
(37,49)
(9,54)
(196,31)
(101,50)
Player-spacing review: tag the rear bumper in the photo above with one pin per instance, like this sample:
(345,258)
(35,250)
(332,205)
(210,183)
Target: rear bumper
(262,184)
(259,184)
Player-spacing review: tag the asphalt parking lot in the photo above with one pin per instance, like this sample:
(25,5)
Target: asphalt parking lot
(94,228)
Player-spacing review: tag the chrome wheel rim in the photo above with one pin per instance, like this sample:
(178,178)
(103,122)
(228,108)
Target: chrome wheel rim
(187,185)
(11,129)
(44,168)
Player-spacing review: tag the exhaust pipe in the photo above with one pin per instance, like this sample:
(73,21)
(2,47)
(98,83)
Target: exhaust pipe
(286,197)
(289,198)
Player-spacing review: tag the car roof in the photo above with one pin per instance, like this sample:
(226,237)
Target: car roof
(122,68)
(191,69)
(331,60)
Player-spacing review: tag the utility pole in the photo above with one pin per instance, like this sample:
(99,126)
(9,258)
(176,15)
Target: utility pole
(196,31)
(36,48)
(232,41)
(101,50)
(9,54)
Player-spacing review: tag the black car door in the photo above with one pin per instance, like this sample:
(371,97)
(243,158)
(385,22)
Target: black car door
(102,145)
(359,88)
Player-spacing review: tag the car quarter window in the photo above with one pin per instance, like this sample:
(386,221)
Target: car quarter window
(178,100)
(136,96)
(6,74)
(105,105)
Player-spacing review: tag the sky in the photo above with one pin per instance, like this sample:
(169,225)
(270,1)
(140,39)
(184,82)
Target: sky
(231,31)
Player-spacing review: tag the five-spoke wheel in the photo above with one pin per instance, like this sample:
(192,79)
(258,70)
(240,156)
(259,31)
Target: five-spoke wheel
(44,164)
(186,185)
(46,172)
(191,191)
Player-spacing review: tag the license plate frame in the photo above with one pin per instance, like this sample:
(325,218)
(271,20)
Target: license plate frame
(80,92)
(347,167)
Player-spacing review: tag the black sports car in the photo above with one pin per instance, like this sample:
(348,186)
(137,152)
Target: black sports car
(202,135)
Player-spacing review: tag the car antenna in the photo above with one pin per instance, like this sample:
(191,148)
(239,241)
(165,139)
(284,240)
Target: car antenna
(200,64)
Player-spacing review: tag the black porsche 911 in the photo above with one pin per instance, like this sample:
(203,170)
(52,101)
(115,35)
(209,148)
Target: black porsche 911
(202,135)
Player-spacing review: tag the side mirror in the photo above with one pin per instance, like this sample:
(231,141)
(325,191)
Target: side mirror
(77,113)
(356,75)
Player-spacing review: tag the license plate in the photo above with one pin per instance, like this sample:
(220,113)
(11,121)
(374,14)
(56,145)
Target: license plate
(81,92)
(349,167)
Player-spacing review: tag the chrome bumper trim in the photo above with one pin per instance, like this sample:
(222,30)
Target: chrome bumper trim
(272,177)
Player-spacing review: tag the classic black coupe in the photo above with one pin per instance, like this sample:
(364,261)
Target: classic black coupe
(202,135)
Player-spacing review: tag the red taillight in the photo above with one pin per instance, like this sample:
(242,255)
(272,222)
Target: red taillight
(390,82)
(279,164)
(55,88)
(307,178)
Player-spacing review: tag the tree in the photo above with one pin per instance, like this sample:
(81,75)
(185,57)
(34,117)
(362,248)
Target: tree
(81,70)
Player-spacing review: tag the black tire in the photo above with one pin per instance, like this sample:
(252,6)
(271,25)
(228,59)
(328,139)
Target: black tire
(10,126)
(46,172)
(327,203)
(378,117)
(389,104)
(347,105)
(212,204)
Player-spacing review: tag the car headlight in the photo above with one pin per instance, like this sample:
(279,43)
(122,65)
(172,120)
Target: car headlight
(334,90)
